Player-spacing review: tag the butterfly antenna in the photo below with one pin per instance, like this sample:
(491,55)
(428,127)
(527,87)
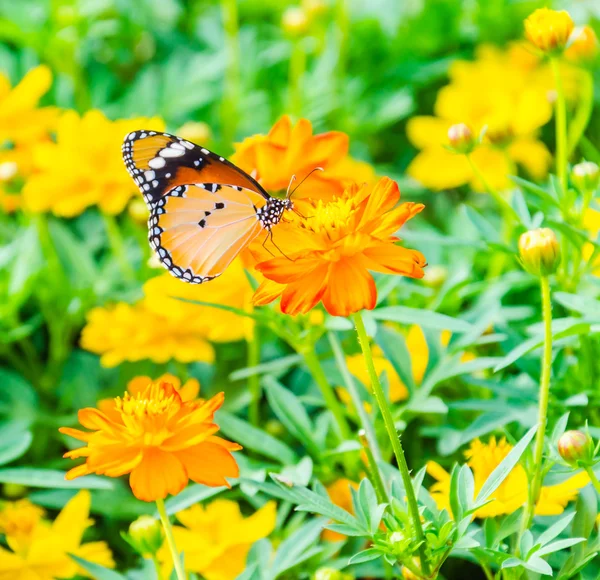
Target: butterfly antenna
(287,193)
(307,176)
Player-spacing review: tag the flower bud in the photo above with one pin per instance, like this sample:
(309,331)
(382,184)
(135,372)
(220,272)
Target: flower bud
(295,21)
(396,537)
(586,176)
(328,573)
(583,44)
(540,251)
(146,535)
(461,138)
(574,446)
(549,30)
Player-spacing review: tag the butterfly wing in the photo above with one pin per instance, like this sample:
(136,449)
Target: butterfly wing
(203,209)
(198,229)
(158,162)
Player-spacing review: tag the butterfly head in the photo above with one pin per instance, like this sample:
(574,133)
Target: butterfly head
(270,214)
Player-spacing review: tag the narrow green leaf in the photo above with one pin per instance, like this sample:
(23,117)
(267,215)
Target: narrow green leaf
(506,466)
(192,495)
(96,571)
(52,478)
(425,318)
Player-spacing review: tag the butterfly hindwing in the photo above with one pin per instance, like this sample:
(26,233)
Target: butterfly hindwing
(159,162)
(198,229)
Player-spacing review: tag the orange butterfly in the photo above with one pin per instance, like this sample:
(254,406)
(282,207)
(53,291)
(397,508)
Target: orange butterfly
(203,209)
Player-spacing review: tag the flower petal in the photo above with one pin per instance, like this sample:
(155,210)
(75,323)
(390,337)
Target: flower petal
(209,463)
(158,475)
(350,288)
(303,295)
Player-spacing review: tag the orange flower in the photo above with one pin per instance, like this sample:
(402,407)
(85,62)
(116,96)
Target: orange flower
(158,438)
(328,254)
(293,150)
(340,494)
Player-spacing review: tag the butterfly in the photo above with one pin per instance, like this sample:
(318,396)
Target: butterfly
(203,209)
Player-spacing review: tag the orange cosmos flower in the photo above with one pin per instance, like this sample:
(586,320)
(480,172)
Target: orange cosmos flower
(329,253)
(158,438)
(293,150)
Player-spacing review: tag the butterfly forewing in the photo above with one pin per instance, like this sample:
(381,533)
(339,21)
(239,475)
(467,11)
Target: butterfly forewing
(159,162)
(203,210)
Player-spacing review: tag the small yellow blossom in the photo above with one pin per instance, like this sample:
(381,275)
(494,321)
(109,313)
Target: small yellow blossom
(39,549)
(483,458)
(504,92)
(583,44)
(549,30)
(84,166)
(215,539)
(22,122)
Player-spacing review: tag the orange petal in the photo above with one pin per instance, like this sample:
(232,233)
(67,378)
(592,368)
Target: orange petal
(384,197)
(267,292)
(209,463)
(281,130)
(158,475)
(393,259)
(350,289)
(229,445)
(303,295)
(284,271)
(77,472)
(75,433)
(94,419)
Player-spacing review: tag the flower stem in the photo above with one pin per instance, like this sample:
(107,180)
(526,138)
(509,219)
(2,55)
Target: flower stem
(253,343)
(536,483)
(388,420)
(561,126)
(117,247)
(164,518)
(157,567)
(296,76)
(593,478)
(581,119)
(229,9)
(316,370)
(373,468)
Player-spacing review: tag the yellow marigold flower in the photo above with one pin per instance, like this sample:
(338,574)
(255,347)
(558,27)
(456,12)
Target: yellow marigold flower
(329,253)
(84,166)
(125,332)
(583,44)
(215,539)
(293,150)
(549,30)
(22,122)
(504,91)
(157,438)
(39,549)
(483,458)
(340,494)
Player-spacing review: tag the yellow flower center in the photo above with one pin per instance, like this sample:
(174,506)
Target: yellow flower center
(332,218)
(152,401)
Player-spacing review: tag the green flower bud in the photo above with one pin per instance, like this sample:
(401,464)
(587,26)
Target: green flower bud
(540,251)
(576,446)
(295,21)
(586,176)
(146,535)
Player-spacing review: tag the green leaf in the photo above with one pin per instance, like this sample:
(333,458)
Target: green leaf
(13,445)
(52,478)
(559,545)
(424,318)
(585,305)
(255,439)
(292,414)
(96,571)
(506,466)
(535,190)
(519,204)
(279,365)
(486,230)
(365,556)
(393,345)
(295,549)
(554,530)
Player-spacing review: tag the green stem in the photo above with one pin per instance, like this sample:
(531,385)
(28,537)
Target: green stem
(561,126)
(593,478)
(388,420)
(164,518)
(316,370)
(581,119)
(229,9)
(115,240)
(157,567)
(504,205)
(374,472)
(536,483)
(254,380)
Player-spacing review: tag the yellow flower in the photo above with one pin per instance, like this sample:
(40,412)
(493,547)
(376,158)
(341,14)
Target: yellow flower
(125,332)
(160,327)
(504,91)
(21,120)
(549,30)
(215,539)
(591,222)
(483,458)
(584,44)
(39,549)
(84,166)
(157,438)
